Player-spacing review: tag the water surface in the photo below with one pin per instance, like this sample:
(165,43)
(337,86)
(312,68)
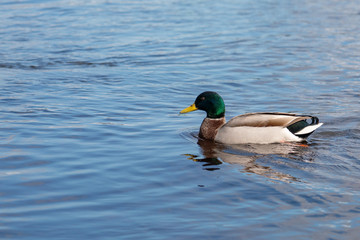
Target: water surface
(92,145)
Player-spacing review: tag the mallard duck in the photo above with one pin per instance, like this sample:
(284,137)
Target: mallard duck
(261,127)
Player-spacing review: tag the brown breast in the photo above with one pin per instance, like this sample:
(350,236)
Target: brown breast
(210,127)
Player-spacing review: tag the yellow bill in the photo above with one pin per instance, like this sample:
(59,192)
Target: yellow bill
(189,109)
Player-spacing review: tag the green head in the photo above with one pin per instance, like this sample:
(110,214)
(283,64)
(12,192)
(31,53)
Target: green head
(210,102)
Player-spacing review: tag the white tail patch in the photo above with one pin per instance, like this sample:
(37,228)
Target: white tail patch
(308,129)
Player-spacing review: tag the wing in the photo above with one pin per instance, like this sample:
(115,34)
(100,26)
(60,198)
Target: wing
(272,120)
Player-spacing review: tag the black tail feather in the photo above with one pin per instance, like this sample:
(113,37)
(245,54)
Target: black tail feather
(298,126)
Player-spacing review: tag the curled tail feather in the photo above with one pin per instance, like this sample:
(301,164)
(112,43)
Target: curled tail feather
(304,128)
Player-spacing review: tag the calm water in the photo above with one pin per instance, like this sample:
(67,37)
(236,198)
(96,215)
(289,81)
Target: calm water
(92,146)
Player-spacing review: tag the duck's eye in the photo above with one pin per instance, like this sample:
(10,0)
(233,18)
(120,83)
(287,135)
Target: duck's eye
(202,98)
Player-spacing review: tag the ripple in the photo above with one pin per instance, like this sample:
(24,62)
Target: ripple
(90,133)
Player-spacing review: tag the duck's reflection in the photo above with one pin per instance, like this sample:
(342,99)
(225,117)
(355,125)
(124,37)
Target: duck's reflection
(246,156)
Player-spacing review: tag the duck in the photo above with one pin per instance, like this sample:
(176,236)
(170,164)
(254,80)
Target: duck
(261,127)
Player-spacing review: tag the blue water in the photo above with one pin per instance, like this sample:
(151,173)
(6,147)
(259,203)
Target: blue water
(92,145)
